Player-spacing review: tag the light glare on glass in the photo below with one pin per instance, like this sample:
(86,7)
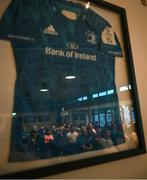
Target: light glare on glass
(85,98)
(103,93)
(87,5)
(13,114)
(123,88)
(70,77)
(95,95)
(110,91)
(43,90)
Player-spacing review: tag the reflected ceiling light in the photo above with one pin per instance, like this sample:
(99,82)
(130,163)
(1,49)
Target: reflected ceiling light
(44,90)
(123,88)
(44,86)
(70,77)
(130,86)
(87,5)
(13,114)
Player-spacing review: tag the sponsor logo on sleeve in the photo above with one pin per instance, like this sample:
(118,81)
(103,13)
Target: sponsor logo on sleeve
(20,37)
(108,36)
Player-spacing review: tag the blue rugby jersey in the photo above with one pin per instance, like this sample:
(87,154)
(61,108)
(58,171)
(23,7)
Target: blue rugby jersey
(45,50)
(49,47)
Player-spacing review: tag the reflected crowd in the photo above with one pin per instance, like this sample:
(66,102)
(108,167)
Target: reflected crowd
(54,141)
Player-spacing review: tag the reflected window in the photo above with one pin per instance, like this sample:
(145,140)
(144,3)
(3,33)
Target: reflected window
(95,95)
(80,99)
(95,116)
(109,116)
(103,93)
(110,91)
(82,116)
(127,117)
(85,98)
(75,116)
(102,120)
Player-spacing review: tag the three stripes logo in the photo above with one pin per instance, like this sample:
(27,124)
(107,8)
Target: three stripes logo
(50,30)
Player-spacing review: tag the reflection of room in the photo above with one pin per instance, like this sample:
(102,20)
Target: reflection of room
(59,96)
(84,110)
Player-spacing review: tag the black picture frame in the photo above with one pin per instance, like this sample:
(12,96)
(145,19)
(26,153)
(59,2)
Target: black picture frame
(91,161)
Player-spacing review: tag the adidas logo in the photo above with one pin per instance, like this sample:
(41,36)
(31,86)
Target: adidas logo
(50,30)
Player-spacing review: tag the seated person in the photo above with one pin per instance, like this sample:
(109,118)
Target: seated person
(105,140)
(83,142)
(72,135)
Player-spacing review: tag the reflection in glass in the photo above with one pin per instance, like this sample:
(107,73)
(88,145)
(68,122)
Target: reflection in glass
(75,67)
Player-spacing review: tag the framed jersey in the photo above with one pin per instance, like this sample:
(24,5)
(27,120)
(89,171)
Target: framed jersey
(68,91)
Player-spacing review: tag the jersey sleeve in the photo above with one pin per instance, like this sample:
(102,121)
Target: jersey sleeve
(107,39)
(14,25)
(109,43)
(9,19)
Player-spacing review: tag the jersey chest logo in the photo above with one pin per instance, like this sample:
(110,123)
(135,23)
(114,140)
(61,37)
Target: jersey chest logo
(72,45)
(91,37)
(50,30)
